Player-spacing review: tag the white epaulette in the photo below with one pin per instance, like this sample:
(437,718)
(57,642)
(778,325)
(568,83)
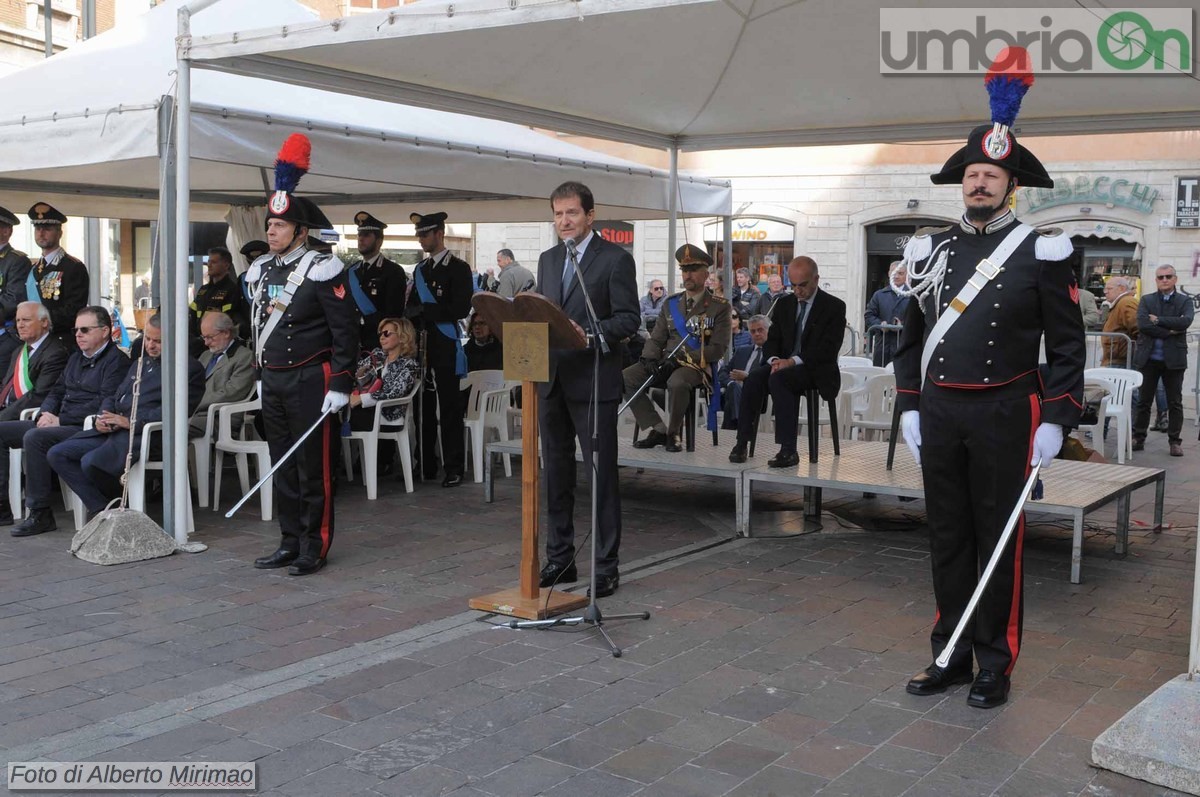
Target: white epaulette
(1052,244)
(255,271)
(325,267)
(920,245)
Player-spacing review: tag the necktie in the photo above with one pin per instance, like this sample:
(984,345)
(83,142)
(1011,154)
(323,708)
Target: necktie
(570,267)
(212,364)
(800,311)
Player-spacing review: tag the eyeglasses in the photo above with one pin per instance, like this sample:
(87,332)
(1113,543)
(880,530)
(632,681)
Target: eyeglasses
(1165,276)
(213,336)
(84,330)
(658,288)
(387,333)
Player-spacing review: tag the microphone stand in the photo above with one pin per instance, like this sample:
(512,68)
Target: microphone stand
(591,614)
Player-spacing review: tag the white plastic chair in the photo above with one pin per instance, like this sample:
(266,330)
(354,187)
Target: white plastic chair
(16,463)
(854,362)
(1120,384)
(136,478)
(369,443)
(879,395)
(202,448)
(850,385)
(1096,430)
(487,409)
(242,448)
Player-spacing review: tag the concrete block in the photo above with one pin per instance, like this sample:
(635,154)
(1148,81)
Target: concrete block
(117,536)
(1158,740)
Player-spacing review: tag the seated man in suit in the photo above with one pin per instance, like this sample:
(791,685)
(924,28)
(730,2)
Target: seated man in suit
(36,363)
(735,370)
(802,349)
(228,368)
(92,461)
(93,371)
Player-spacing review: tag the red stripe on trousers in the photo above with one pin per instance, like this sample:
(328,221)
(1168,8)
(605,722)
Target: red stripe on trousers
(326,481)
(1014,611)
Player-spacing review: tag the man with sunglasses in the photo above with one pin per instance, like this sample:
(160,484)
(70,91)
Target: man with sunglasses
(652,303)
(93,372)
(1163,318)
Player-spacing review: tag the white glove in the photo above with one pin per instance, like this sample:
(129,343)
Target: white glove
(334,401)
(1047,441)
(910,425)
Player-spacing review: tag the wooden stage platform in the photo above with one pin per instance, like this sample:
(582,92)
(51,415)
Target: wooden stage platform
(1072,489)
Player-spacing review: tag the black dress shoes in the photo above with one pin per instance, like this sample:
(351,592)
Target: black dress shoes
(39,522)
(738,454)
(452,480)
(674,444)
(989,690)
(605,585)
(653,438)
(280,558)
(784,459)
(934,680)
(553,574)
(306,565)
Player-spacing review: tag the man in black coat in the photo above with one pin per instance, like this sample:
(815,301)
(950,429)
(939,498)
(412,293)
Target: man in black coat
(733,373)
(221,294)
(35,366)
(441,297)
(91,462)
(610,278)
(807,327)
(61,280)
(94,370)
(304,326)
(1163,318)
(14,278)
(383,282)
(977,410)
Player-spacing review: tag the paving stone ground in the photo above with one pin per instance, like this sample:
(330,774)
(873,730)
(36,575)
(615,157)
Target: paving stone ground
(769,666)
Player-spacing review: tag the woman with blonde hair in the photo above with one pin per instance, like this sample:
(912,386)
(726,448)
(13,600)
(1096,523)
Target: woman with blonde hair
(388,372)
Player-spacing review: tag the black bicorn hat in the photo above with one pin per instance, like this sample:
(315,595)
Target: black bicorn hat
(428,221)
(291,164)
(252,247)
(690,257)
(8,218)
(42,214)
(1007,80)
(368,223)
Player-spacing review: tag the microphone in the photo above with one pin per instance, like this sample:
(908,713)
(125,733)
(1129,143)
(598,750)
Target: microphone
(572,249)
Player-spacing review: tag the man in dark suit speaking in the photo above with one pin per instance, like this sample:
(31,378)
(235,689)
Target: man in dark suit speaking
(802,349)
(610,278)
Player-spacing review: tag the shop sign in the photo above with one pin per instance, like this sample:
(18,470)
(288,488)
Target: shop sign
(752,231)
(616,232)
(1187,202)
(1104,229)
(1100,189)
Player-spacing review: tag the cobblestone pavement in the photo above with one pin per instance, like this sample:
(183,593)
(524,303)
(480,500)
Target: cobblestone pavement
(771,666)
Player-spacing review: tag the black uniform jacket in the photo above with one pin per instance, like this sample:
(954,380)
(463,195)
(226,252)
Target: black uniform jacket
(995,344)
(321,323)
(824,330)
(610,276)
(46,364)
(14,276)
(64,290)
(223,296)
(386,285)
(450,282)
(84,384)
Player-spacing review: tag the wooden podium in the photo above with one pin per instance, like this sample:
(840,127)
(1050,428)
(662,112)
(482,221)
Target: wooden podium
(529,326)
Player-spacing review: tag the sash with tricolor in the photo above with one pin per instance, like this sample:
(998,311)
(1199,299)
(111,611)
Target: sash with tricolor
(22,382)
(693,344)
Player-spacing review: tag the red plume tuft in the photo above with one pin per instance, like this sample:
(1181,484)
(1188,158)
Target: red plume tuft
(297,150)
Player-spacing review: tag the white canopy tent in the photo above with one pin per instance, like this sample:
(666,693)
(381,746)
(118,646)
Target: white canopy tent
(95,144)
(90,145)
(696,74)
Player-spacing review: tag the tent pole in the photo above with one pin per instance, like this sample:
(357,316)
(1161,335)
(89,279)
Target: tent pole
(164,235)
(727,269)
(175,352)
(48,20)
(673,205)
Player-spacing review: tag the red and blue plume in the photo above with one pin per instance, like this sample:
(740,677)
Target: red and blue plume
(1007,80)
(292,162)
